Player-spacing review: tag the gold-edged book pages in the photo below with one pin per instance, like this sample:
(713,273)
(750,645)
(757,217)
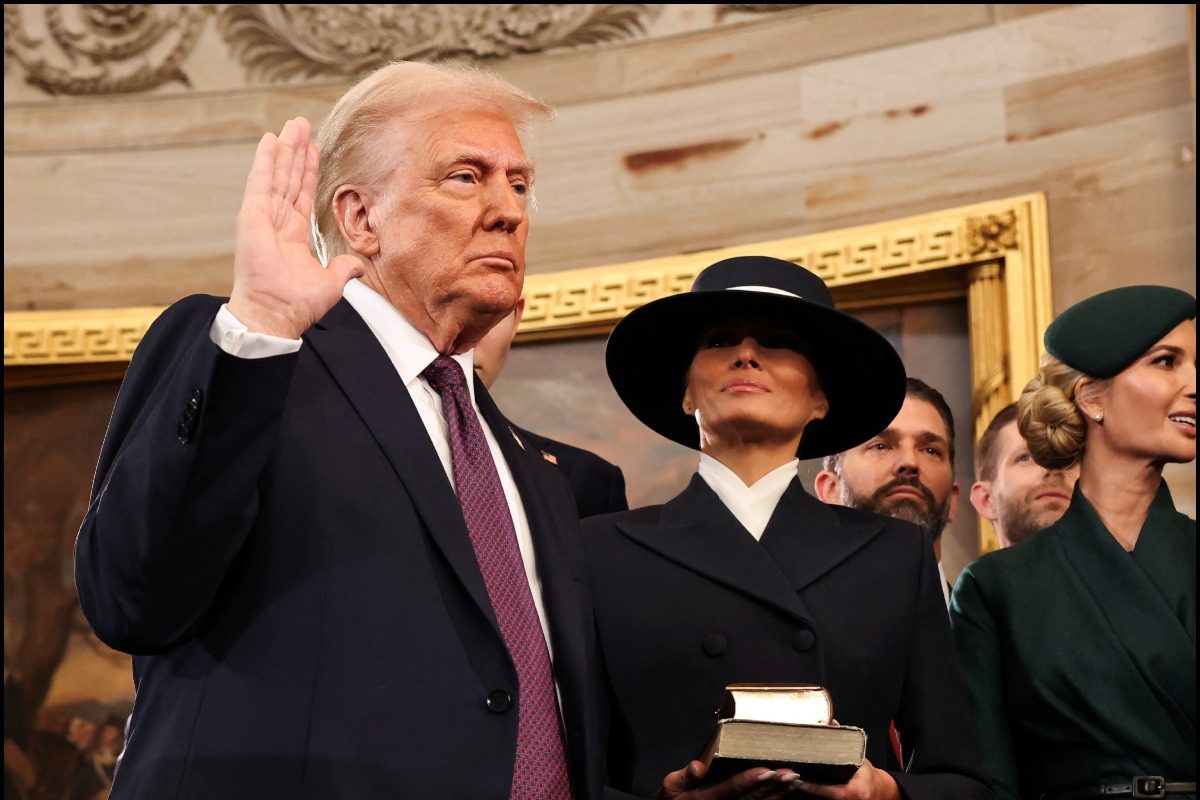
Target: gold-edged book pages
(782,725)
(800,703)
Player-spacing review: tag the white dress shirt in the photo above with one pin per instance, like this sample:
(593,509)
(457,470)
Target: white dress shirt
(410,353)
(752,505)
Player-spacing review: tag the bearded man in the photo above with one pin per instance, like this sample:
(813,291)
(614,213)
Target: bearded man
(906,471)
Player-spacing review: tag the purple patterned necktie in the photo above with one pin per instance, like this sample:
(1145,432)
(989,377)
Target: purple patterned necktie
(540,770)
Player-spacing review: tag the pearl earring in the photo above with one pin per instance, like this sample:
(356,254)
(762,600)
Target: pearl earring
(1098,417)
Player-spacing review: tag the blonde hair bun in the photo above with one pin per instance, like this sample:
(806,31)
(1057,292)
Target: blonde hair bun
(1051,424)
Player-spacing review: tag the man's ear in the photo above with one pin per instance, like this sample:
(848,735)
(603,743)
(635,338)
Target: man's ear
(828,487)
(520,309)
(953,502)
(982,500)
(353,216)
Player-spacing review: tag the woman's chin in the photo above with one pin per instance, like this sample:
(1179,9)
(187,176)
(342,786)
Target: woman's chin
(749,430)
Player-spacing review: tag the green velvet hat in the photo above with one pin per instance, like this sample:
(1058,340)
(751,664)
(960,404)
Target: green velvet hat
(1104,334)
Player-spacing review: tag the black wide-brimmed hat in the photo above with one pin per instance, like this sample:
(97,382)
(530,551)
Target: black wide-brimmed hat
(650,350)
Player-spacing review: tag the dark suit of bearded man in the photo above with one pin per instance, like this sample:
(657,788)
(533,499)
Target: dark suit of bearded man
(598,485)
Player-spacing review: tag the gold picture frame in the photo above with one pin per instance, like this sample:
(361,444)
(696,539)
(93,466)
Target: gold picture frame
(995,254)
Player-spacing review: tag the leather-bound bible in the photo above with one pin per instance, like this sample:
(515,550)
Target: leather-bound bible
(782,725)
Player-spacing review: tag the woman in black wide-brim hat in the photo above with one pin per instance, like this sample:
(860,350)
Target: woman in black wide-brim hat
(1079,644)
(744,577)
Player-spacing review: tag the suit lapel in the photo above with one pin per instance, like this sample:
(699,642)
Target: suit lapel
(547,522)
(806,538)
(699,533)
(352,354)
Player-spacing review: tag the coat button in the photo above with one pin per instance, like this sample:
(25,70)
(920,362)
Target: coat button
(714,644)
(803,641)
(499,701)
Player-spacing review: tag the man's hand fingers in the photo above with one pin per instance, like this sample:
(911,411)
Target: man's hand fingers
(308,186)
(346,267)
(299,159)
(262,170)
(282,171)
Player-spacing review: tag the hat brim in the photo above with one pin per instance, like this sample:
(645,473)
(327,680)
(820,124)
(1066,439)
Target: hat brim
(650,351)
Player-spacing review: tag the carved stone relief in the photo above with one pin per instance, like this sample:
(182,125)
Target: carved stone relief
(91,49)
(122,48)
(287,41)
(101,48)
(756,8)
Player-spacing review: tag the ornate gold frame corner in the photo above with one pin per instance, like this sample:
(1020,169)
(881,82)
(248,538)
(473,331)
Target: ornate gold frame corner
(996,254)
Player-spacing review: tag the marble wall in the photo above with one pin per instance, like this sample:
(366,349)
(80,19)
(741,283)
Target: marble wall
(694,135)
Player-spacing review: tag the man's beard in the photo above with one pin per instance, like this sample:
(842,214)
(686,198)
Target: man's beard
(928,514)
(1020,520)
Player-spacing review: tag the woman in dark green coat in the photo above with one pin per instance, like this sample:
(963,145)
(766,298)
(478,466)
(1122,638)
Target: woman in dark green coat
(1079,644)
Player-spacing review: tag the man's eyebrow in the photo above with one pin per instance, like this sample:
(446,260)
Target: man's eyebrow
(485,162)
(925,437)
(887,434)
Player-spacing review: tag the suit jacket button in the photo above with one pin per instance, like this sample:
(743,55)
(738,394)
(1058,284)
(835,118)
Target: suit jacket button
(499,701)
(714,644)
(803,641)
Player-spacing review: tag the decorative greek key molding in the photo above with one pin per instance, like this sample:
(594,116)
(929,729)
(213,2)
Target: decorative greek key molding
(102,48)
(566,303)
(74,337)
(286,41)
(860,265)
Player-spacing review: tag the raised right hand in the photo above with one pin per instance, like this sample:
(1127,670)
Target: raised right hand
(279,287)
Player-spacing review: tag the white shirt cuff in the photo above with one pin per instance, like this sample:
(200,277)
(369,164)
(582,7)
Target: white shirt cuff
(236,339)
